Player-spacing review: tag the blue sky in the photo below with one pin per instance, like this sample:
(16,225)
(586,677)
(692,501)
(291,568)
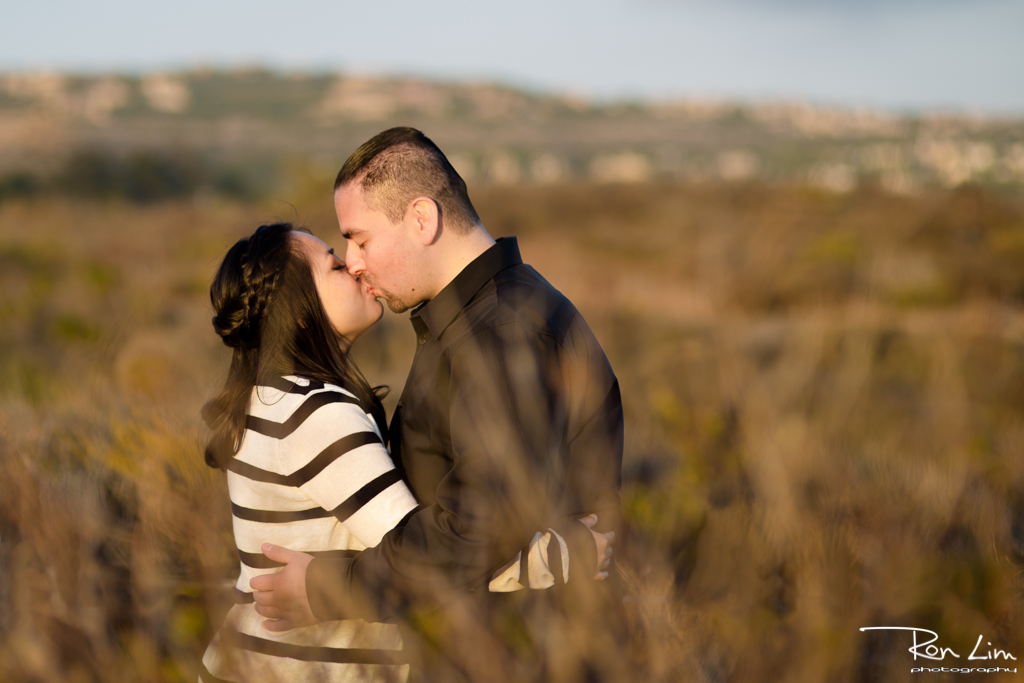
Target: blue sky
(900,54)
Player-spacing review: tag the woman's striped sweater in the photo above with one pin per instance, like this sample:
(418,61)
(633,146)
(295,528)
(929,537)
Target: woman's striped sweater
(312,474)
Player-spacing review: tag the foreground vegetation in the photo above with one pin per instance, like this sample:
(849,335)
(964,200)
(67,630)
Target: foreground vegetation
(824,399)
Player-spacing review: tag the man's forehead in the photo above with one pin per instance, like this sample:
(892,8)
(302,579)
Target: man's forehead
(351,194)
(350,209)
(350,203)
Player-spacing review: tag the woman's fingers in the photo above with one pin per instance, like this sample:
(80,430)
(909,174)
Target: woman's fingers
(609,539)
(604,551)
(603,543)
(607,558)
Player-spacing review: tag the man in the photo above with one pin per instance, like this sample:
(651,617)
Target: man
(510,422)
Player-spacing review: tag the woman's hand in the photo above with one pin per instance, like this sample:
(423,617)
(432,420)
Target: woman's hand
(603,541)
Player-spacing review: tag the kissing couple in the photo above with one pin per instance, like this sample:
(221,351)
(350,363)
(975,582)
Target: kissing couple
(478,548)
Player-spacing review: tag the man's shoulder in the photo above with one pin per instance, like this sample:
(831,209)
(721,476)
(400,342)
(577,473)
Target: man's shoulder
(522,296)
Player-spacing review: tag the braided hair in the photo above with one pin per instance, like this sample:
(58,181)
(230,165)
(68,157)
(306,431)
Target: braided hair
(245,284)
(267,310)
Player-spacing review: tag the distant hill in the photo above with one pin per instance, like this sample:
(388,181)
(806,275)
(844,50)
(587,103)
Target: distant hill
(254,119)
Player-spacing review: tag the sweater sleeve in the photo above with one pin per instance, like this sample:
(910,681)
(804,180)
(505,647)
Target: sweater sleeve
(547,560)
(354,477)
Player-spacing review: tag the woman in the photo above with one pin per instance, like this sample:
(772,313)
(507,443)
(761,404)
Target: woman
(301,435)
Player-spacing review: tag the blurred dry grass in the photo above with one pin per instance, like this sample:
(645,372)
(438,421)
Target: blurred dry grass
(824,399)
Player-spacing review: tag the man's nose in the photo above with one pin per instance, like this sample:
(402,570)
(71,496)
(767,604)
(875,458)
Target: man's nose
(353,259)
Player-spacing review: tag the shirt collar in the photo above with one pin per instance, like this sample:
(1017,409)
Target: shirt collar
(439,312)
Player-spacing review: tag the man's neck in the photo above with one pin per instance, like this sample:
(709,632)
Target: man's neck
(461,252)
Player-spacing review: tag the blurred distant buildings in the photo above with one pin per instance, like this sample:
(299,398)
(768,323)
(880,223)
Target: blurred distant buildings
(165,93)
(499,134)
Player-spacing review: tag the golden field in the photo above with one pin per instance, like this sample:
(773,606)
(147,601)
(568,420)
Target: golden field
(824,399)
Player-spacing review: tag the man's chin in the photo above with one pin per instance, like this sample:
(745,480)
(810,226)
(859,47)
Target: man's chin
(393,304)
(397,306)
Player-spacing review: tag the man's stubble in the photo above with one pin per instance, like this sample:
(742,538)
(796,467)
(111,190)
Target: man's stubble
(394,303)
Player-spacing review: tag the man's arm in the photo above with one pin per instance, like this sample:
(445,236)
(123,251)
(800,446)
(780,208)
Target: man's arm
(281,597)
(508,416)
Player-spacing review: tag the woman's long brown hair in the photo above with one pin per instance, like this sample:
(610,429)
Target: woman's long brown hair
(269,313)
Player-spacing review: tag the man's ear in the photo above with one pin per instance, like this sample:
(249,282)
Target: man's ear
(424,219)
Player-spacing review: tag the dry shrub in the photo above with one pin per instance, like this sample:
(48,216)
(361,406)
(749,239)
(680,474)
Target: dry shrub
(823,396)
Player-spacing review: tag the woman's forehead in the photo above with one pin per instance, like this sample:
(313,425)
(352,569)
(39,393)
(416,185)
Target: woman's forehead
(312,245)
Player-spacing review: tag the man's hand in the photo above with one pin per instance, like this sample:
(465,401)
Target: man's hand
(604,546)
(281,597)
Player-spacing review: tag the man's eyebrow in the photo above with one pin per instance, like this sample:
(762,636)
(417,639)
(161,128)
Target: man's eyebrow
(351,231)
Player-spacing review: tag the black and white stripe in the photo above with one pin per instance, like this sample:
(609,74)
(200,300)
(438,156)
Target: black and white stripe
(308,653)
(311,469)
(281,430)
(312,474)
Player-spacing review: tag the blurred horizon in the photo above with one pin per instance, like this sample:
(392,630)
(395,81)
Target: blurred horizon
(906,57)
(257,133)
(576,94)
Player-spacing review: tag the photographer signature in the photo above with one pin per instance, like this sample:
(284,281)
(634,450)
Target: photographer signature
(934,652)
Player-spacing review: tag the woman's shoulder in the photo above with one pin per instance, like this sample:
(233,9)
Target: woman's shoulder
(285,404)
(285,394)
(305,418)
(297,385)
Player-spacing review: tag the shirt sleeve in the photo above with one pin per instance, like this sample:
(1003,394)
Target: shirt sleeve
(508,420)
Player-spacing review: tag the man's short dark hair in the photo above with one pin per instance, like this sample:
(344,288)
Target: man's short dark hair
(400,164)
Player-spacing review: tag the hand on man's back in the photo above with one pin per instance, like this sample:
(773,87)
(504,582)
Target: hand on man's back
(603,543)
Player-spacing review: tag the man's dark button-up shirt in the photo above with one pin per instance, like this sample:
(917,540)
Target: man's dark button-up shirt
(510,422)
